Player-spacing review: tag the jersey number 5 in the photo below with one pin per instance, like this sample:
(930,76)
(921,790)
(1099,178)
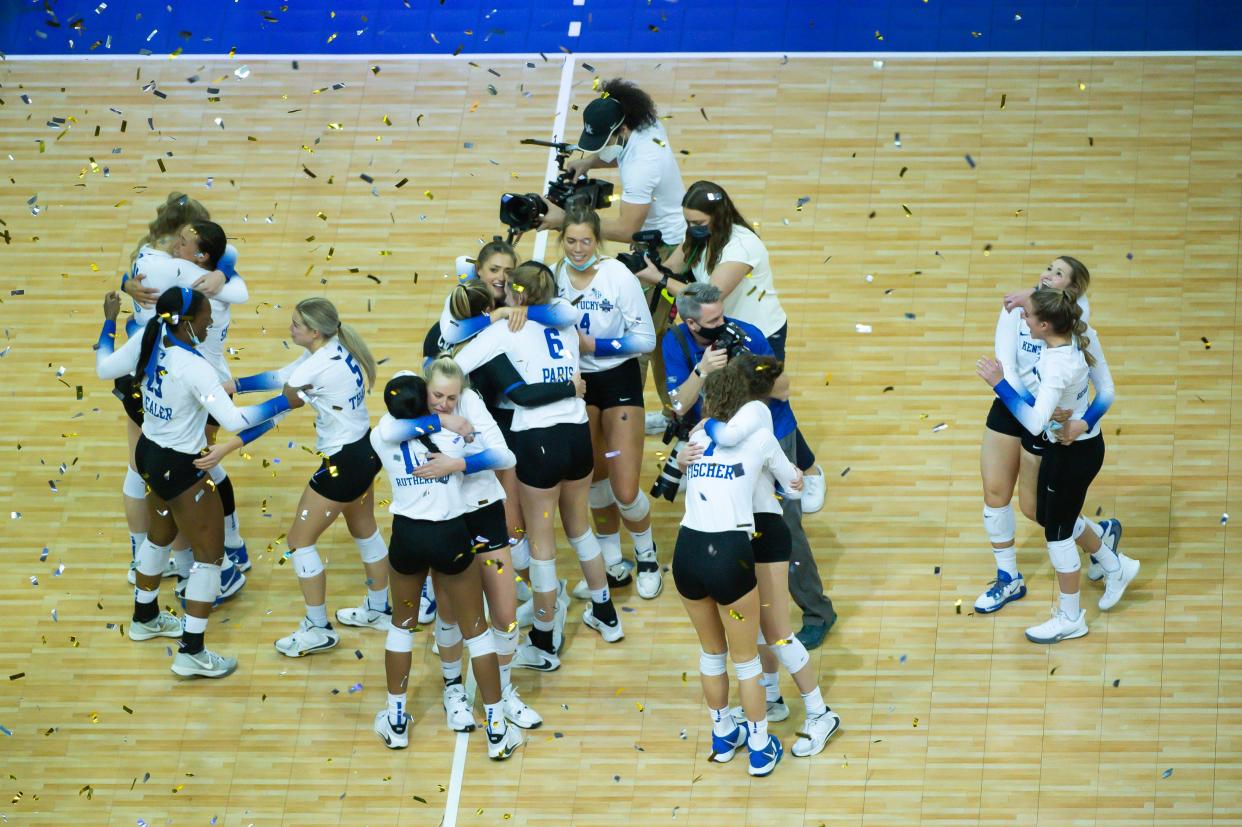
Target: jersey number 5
(353,366)
(155,382)
(555,345)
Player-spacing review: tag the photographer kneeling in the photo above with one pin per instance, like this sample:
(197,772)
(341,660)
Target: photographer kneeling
(704,342)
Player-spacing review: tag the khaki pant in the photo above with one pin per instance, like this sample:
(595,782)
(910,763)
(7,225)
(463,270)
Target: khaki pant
(662,318)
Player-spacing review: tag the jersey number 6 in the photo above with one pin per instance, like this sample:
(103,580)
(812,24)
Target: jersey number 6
(555,345)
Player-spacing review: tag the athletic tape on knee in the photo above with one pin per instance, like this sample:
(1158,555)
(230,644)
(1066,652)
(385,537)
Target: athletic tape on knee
(399,640)
(586,547)
(372,549)
(447,634)
(711,665)
(792,655)
(204,584)
(636,510)
(1064,556)
(150,559)
(521,554)
(543,575)
(306,562)
(749,669)
(133,487)
(506,642)
(999,524)
(601,494)
(481,645)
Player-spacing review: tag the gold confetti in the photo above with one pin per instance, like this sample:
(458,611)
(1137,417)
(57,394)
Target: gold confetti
(387,121)
(736,615)
(958,605)
(1003,97)
(639,706)
(907,209)
(94,717)
(916,723)
(1082,87)
(429,195)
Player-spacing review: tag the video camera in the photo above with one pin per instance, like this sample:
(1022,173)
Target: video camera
(648,243)
(521,212)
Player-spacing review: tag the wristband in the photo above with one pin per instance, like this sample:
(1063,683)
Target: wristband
(698,372)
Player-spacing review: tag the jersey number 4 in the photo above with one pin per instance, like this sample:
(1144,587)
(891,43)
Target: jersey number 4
(585,324)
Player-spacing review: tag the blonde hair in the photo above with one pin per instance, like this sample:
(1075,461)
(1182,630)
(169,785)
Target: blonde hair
(177,210)
(321,315)
(1060,309)
(443,367)
(533,282)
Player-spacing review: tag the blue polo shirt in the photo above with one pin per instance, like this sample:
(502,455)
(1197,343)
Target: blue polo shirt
(678,371)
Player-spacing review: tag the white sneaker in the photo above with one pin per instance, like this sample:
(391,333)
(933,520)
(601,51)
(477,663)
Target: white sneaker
(170,570)
(1004,589)
(530,656)
(427,603)
(205,664)
(815,733)
(517,711)
(523,591)
(610,634)
(525,614)
(558,619)
(365,617)
(1058,627)
(1115,582)
(648,579)
(618,575)
(308,639)
(393,737)
(814,486)
(777,712)
(162,625)
(457,709)
(500,745)
(654,423)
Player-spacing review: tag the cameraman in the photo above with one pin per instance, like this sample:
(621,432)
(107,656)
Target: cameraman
(690,355)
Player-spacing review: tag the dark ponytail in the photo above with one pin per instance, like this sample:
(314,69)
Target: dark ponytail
(211,242)
(171,309)
(405,395)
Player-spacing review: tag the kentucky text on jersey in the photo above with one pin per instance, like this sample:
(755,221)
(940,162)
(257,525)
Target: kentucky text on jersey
(715,469)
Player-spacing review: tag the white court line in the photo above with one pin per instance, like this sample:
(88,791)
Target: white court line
(530,56)
(453,800)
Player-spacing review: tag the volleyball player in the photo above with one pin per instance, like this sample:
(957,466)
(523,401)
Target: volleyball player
(714,569)
(772,544)
(552,444)
(179,390)
(614,327)
(1068,468)
(333,377)
(428,532)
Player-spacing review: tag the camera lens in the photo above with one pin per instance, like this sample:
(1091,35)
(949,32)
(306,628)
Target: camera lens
(669,481)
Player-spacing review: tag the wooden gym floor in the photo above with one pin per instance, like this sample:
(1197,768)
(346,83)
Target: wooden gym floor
(1131,164)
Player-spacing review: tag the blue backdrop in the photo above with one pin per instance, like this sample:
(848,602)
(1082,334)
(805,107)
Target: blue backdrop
(479,26)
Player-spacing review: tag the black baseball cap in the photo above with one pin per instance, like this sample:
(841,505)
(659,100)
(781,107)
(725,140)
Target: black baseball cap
(599,120)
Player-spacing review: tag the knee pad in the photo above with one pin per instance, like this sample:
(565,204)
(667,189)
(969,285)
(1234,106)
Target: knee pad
(481,645)
(150,559)
(543,575)
(586,547)
(447,634)
(601,494)
(999,524)
(792,655)
(748,669)
(306,562)
(506,642)
(399,640)
(133,487)
(711,665)
(521,554)
(1064,556)
(636,510)
(204,584)
(372,549)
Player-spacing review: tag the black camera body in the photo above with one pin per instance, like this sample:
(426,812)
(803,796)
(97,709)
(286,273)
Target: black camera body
(646,243)
(669,481)
(521,212)
(732,339)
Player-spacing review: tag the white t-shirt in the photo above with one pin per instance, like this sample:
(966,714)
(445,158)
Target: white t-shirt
(720,486)
(177,399)
(754,299)
(161,271)
(611,307)
(439,498)
(649,175)
(337,393)
(539,354)
(482,488)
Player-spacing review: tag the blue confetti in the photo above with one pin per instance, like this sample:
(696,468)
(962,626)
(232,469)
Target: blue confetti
(43,554)
(6,730)
(355,688)
(1167,773)
(970,161)
(468,145)
(1130,256)
(902,659)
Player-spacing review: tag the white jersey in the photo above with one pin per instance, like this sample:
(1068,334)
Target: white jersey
(178,397)
(438,498)
(720,486)
(613,310)
(1018,352)
(1062,376)
(482,488)
(337,392)
(754,299)
(539,354)
(161,271)
(754,416)
(110,364)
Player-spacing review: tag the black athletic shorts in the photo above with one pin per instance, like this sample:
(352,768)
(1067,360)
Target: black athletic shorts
(772,542)
(418,545)
(612,388)
(124,389)
(346,475)
(169,473)
(552,455)
(489,531)
(720,565)
(1004,422)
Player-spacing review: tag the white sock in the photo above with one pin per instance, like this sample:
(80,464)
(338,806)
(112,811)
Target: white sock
(495,717)
(610,545)
(644,546)
(815,705)
(232,531)
(1007,560)
(600,595)
(144,596)
(506,675)
(722,722)
(183,559)
(195,625)
(377,599)
(1096,528)
(318,615)
(771,683)
(1106,557)
(757,734)
(451,670)
(1069,605)
(136,539)
(396,710)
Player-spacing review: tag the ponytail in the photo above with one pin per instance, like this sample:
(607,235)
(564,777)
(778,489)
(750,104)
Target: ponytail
(352,341)
(1060,309)
(534,283)
(177,210)
(1081,340)
(405,396)
(174,306)
(469,299)
(322,316)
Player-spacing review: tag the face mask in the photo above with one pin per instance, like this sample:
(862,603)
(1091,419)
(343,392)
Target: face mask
(611,152)
(699,232)
(194,340)
(581,268)
(711,334)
